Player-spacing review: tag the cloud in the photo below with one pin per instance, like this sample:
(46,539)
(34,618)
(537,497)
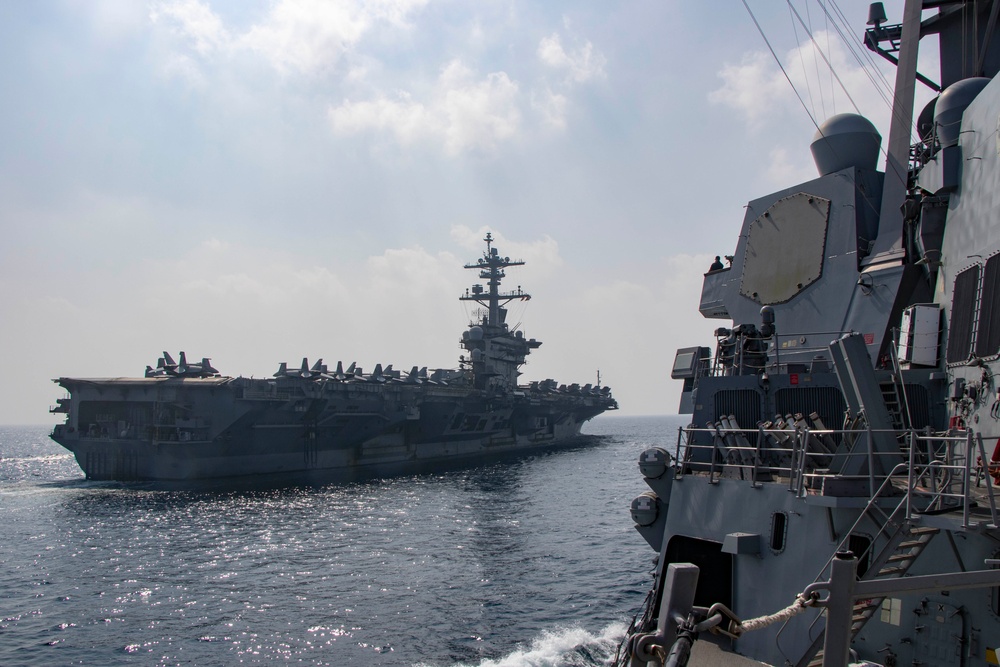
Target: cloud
(185,69)
(753,87)
(781,170)
(551,107)
(468,108)
(638,323)
(307,35)
(215,275)
(581,65)
(394,12)
(479,113)
(295,37)
(463,113)
(251,307)
(392,274)
(406,119)
(194,21)
(759,90)
(115,22)
(541,257)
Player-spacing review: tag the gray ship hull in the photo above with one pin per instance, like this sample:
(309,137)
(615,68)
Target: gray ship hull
(191,429)
(287,461)
(836,496)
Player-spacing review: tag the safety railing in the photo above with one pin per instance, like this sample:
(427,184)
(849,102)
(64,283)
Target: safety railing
(742,352)
(938,476)
(935,472)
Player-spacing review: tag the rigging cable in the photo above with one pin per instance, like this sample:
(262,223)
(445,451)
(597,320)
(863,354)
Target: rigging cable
(780,66)
(862,54)
(827,33)
(839,20)
(832,70)
(833,98)
(805,74)
(885,90)
(965,42)
(823,55)
(865,196)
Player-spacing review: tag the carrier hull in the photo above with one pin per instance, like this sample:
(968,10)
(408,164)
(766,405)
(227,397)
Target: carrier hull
(339,433)
(286,459)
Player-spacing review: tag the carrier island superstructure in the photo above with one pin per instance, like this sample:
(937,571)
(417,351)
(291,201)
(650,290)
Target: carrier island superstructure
(184,421)
(849,408)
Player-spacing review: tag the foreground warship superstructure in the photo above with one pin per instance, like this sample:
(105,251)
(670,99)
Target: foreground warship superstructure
(185,422)
(848,419)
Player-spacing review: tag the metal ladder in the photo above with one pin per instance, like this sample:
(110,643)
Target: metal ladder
(896,401)
(905,542)
(890,396)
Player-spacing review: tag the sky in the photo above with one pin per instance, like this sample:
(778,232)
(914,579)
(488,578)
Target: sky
(262,181)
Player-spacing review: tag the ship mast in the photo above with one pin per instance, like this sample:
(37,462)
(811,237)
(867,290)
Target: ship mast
(888,244)
(491,269)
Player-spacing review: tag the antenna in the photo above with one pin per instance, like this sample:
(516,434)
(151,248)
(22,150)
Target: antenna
(491,269)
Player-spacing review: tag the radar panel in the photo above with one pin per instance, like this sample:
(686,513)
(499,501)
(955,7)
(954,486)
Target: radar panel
(785,248)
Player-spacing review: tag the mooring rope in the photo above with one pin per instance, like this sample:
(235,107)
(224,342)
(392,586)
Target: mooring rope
(802,602)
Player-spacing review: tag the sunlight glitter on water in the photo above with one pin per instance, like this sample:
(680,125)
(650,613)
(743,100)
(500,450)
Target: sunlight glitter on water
(526,563)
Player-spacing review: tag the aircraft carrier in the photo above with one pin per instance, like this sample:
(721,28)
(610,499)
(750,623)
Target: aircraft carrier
(186,422)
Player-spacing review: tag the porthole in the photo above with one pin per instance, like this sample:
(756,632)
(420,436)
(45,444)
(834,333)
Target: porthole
(779,531)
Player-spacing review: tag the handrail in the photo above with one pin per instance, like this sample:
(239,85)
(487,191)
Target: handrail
(862,516)
(989,485)
(947,473)
(909,473)
(803,456)
(799,460)
(892,517)
(965,481)
(940,476)
(735,363)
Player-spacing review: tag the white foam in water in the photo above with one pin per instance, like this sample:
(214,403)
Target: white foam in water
(571,646)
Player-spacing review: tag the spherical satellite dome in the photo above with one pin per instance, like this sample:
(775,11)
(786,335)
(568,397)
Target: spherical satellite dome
(845,140)
(925,121)
(951,104)
(476,333)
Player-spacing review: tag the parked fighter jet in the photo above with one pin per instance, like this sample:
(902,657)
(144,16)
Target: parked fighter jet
(303,371)
(203,369)
(166,366)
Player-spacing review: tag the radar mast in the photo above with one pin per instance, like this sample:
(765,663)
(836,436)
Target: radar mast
(491,269)
(496,353)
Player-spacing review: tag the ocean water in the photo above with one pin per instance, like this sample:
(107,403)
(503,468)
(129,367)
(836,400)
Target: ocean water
(530,562)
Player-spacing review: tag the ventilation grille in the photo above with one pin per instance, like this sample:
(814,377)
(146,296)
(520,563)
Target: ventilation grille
(743,403)
(988,331)
(963,310)
(828,402)
(920,411)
